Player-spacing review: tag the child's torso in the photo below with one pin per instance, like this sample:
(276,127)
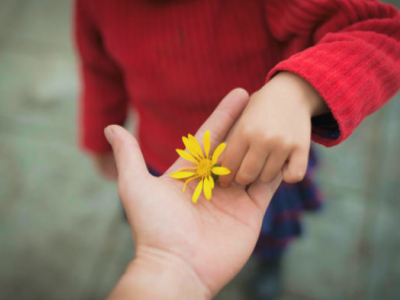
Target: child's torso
(180,58)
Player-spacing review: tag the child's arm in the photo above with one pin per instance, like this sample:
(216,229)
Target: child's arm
(103,98)
(351,59)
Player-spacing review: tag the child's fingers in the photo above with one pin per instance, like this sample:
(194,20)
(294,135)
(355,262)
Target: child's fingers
(262,193)
(233,158)
(251,166)
(297,166)
(274,164)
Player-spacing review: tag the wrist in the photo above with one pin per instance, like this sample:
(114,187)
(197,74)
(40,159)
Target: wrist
(157,274)
(308,96)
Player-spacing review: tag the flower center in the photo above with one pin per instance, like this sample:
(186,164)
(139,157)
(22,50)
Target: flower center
(204,167)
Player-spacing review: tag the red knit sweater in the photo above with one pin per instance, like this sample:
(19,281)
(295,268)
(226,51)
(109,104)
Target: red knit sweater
(173,61)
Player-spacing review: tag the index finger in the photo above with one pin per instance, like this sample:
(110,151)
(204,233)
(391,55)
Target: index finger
(220,121)
(224,116)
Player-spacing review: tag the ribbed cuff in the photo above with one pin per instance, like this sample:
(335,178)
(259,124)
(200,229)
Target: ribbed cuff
(339,77)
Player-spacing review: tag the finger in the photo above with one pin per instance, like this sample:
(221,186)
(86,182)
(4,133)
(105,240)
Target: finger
(128,157)
(274,164)
(224,116)
(297,166)
(221,120)
(261,193)
(251,166)
(233,157)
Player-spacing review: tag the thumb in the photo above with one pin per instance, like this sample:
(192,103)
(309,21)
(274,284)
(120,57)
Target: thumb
(128,157)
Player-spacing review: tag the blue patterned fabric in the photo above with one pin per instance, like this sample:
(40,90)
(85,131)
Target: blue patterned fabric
(282,221)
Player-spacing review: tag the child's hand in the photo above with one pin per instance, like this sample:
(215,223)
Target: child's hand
(274,132)
(105,165)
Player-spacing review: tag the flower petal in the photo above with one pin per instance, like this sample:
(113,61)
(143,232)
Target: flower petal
(206,142)
(186,155)
(211,180)
(207,189)
(220,171)
(189,147)
(195,145)
(217,153)
(180,175)
(190,169)
(187,181)
(197,192)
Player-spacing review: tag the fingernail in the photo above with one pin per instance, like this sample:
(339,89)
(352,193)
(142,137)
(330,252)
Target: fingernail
(108,132)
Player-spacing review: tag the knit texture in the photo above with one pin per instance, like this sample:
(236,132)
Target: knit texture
(173,61)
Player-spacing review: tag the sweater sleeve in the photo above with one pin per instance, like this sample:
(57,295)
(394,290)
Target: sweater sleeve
(103,99)
(348,50)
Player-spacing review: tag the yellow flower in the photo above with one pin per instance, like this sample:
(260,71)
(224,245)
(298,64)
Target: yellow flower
(205,165)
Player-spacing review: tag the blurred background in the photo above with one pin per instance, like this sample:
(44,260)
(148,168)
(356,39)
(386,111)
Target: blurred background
(61,231)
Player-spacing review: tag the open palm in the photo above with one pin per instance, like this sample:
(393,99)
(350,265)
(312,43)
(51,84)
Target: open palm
(215,238)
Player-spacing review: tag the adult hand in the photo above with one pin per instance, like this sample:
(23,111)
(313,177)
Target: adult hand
(186,250)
